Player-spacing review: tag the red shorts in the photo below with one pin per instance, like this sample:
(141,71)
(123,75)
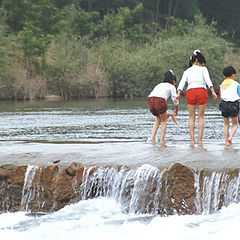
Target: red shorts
(157,105)
(197,96)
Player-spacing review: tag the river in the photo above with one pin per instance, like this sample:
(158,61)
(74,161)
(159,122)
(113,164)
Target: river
(107,131)
(92,121)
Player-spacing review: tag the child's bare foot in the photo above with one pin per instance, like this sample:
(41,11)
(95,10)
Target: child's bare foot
(150,140)
(192,145)
(201,147)
(163,144)
(229,142)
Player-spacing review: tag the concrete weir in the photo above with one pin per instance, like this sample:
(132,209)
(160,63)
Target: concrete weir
(143,178)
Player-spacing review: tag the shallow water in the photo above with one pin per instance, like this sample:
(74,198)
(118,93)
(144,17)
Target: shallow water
(92,121)
(107,131)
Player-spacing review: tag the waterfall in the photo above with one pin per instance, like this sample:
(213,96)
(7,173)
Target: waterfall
(143,190)
(216,190)
(137,190)
(28,193)
(85,186)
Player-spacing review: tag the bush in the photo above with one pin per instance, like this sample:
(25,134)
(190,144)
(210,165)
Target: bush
(134,70)
(121,68)
(73,70)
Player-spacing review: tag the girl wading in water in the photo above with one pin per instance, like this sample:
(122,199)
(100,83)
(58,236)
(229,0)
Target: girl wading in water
(197,79)
(157,104)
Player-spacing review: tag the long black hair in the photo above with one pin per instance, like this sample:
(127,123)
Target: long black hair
(197,55)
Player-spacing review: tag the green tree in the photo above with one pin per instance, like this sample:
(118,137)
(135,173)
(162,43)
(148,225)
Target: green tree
(40,13)
(34,41)
(77,21)
(134,70)
(125,22)
(226,13)
(9,52)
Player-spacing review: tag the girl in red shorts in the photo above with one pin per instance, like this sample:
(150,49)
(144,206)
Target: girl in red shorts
(157,104)
(197,79)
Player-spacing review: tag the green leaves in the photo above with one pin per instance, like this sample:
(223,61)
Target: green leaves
(225,14)
(77,21)
(123,47)
(34,41)
(135,70)
(121,22)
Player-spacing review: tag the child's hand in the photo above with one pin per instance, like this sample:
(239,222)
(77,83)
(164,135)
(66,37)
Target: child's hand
(176,99)
(214,95)
(178,96)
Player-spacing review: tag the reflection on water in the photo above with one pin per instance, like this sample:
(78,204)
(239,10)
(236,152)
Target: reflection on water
(101,120)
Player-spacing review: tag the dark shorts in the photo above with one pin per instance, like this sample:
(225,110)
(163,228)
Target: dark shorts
(157,105)
(197,96)
(229,109)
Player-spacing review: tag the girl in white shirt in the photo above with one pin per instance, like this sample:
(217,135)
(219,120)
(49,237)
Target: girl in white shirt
(197,79)
(157,104)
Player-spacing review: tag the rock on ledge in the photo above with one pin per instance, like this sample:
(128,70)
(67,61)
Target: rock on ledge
(176,190)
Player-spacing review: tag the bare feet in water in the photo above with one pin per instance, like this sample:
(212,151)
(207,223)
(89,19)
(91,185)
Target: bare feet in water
(229,142)
(149,140)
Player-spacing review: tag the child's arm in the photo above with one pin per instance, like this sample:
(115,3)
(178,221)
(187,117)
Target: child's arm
(214,95)
(178,96)
(181,86)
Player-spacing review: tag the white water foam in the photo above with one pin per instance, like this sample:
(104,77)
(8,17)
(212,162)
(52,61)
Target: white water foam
(102,219)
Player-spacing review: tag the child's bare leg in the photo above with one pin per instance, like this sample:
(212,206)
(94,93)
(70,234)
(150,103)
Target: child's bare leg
(201,110)
(163,127)
(234,129)
(226,129)
(191,110)
(155,128)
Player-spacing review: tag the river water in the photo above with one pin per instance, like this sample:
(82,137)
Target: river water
(103,219)
(111,131)
(92,121)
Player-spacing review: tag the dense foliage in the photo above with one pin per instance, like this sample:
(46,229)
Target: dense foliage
(90,48)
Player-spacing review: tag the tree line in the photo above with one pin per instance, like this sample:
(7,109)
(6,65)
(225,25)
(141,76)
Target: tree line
(91,48)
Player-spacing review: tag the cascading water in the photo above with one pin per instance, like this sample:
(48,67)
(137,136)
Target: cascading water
(28,193)
(128,201)
(137,190)
(216,190)
(143,190)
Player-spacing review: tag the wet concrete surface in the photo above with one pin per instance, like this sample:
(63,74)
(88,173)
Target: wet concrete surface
(214,156)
